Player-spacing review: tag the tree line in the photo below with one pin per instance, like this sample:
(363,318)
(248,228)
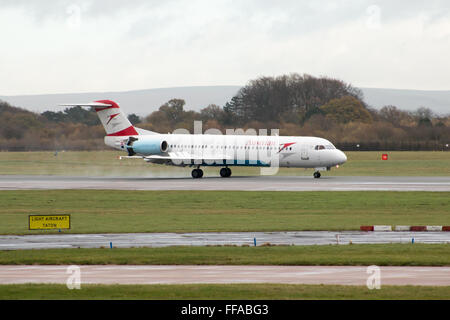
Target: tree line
(298,105)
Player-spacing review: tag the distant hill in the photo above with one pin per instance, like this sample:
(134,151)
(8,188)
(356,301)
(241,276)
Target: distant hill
(143,102)
(438,101)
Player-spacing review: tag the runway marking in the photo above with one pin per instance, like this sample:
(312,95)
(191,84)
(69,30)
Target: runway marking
(247,183)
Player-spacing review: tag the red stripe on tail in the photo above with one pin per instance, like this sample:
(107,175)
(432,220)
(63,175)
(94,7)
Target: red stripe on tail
(130,131)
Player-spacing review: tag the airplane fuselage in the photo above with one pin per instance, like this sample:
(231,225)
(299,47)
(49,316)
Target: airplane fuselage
(240,150)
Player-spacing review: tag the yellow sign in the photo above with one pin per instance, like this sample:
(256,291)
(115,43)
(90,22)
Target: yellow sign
(39,222)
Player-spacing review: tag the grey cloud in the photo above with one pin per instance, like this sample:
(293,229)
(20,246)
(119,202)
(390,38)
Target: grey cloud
(298,16)
(51,9)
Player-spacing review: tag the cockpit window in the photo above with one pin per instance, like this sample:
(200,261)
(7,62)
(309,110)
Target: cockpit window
(322,147)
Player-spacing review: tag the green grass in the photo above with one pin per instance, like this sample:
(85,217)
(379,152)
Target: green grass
(220,292)
(111,211)
(101,163)
(360,254)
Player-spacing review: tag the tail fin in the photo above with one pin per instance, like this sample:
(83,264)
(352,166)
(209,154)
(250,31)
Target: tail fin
(113,119)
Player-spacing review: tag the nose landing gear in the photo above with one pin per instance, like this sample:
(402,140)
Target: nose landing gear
(225,172)
(317,174)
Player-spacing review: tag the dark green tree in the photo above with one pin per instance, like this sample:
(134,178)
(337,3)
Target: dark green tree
(173,109)
(134,119)
(346,109)
(288,98)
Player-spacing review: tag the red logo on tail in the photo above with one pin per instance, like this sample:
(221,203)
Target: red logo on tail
(112,117)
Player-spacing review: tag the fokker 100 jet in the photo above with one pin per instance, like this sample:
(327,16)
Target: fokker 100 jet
(224,151)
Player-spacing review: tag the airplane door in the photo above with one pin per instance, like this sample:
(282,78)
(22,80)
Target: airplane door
(304,152)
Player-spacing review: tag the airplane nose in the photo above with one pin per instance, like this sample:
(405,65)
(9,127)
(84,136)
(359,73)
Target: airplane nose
(342,157)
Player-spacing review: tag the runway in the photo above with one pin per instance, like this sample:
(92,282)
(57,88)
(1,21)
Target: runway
(119,274)
(128,240)
(248,183)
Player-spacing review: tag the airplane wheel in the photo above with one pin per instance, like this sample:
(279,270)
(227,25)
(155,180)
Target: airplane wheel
(317,174)
(197,173)
(225,172)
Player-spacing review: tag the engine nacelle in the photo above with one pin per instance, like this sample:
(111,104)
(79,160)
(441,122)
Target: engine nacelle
(146,146)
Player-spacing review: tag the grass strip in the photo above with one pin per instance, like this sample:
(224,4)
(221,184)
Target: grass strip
(121,211)
(348,255)
(221,291)
(105,163)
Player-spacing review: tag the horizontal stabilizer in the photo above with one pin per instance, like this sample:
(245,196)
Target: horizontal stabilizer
(89,104)
(114,121)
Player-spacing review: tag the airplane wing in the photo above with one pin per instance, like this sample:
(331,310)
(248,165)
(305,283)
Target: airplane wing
(187,156)
(181,157)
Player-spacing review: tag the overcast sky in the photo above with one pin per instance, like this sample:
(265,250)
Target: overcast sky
(111,45)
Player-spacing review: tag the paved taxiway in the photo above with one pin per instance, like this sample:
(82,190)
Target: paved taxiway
(127,240)
(251,183)
(114,274)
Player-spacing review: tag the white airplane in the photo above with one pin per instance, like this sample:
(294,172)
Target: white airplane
(197,150)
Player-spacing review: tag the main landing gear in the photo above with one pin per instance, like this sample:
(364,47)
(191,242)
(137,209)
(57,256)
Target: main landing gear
(317,174)
(225,172)
(197,173)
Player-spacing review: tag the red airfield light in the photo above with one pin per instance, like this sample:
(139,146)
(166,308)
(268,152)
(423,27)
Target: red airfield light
(384,156)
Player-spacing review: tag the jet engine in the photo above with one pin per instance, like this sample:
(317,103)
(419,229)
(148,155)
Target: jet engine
(146,146)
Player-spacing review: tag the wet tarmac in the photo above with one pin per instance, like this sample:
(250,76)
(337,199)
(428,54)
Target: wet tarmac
(130,274)
(128,240)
